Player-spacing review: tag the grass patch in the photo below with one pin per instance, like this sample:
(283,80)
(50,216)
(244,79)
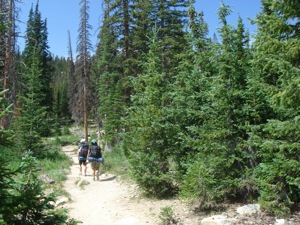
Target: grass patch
(115,162)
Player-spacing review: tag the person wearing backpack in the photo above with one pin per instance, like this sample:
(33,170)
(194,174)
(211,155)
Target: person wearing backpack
(82,141)
(82,156)
(95,157)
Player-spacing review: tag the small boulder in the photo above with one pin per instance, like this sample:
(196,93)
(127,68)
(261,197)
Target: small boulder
(218,220)
(249,209)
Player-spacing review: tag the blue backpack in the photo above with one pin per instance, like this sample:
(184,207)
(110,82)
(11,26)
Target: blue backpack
(95,154)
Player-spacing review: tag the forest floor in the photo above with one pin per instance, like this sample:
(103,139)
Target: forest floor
(115,201)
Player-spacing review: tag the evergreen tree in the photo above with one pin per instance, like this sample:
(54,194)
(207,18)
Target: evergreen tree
(217,112)
(111,102)
(30,204)
(171,19)
(31,122)
(148,139)
(275,136)
(60,92)
(5,173)
(128,37)
(36,41)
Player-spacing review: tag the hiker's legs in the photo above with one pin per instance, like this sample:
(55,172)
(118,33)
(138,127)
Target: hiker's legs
(85,168)
(94,174)
(95,167)
(80,167)
(97,170)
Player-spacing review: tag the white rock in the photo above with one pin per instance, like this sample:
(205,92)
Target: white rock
(218,220)
(249,209)
(82,182)
(280,222)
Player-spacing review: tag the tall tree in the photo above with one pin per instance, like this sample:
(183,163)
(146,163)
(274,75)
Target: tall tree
(109,71)
(71,82)
(37,41)
(60,90)
(147,141)
(8,11)
(275,137)
(31,122)
(216,110)
(130,24)
(83,64)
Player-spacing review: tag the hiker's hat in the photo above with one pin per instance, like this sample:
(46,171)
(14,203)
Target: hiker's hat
(82,140)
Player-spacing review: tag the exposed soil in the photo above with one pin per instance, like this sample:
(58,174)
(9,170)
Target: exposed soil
(112,201)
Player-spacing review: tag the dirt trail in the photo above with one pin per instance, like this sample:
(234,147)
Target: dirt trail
(112,202)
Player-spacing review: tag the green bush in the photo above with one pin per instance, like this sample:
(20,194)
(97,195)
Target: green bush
(166,216)
(151,173)
(30,204)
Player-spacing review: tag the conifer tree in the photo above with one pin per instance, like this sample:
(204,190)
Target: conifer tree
(147,140)
(31,122)
(275,134)
(36,41)
(216,108)
(129,37)
(171,18)
(60,92)
(5,173)
(111,102)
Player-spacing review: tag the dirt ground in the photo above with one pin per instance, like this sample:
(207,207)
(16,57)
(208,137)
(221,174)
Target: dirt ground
(111,201)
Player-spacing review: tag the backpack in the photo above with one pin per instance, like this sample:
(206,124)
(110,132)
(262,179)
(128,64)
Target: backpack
(95,152)
(84,150)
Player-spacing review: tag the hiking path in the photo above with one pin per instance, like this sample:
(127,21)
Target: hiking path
(112,201)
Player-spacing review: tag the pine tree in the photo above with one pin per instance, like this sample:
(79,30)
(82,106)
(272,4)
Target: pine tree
(60,92)
(215,112)
(171,18)
(36,41)
(274,136)
(147,140)
(5,173)
(110,91)
(31,122)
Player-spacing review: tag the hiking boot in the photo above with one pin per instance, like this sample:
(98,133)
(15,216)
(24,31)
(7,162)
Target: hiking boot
(97,176)
(93,178)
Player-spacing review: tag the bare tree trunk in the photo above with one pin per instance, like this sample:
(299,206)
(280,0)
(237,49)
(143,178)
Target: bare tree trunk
(85,78)
(8,44)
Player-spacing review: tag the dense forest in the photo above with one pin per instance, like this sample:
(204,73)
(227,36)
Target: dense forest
(211,120)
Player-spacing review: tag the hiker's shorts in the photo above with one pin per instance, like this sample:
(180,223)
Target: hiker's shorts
(82,161)
(95,165)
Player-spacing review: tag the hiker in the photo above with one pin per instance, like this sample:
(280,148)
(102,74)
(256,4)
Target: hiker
(82,141)
(83,149)
(95,157)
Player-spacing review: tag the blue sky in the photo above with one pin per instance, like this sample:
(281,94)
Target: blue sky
(62,16)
